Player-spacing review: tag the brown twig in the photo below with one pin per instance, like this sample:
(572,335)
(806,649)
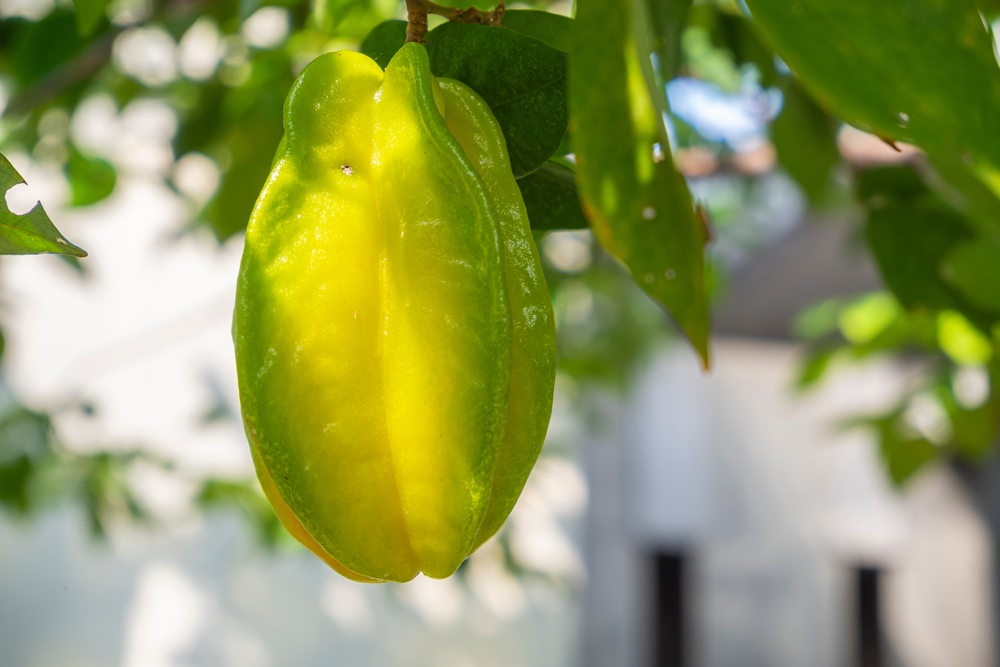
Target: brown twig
(417,11)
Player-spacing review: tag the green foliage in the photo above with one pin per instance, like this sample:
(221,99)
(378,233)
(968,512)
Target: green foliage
(92,179)
(551,198)
(520,78)
(241,127)
(32,232)
(351,19)
(247,498)
(805,138)
(383,41)
(903,452)
(36,49)
(551,29)
(605,325)
(36,472)
(89,14)
(639,207)
(909,243)
(973,267)
(909,70)
(920,71)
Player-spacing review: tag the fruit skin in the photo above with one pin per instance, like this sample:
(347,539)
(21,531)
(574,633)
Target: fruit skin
(394,335)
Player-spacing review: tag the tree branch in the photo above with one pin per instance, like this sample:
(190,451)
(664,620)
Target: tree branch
(417,11)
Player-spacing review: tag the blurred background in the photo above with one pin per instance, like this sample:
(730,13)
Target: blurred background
(826,495)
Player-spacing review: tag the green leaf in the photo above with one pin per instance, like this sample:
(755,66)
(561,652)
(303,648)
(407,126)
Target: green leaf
(974,430)
(14,479)
(805,138)
(520,78)
(863,320)
(733,32)
(251,143)
(901,185)
(351,19)
(33,232)
(247,496)
(961,341)
(903,455)
(36,49)
(639,209)
(89,14)
(708,62)
(551,199)
(973,267)
(667,21)
(240,128)
(546,27)
(909,243)
(384,40)
(814,366)
(967,192)
(91,179)
(915,70)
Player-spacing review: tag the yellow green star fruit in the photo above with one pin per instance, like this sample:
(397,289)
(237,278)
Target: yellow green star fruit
(394,335)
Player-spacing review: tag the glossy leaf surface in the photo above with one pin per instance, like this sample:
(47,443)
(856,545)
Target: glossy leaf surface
(639,206)
(551,198)
(33,232)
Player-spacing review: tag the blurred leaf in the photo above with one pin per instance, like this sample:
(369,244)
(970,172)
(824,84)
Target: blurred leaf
(815,365)
(863,320)
(31,233)
(732,31)
(551,199)
(106,493)
(606,325)
(973,267)
(351,19)
(818,320)
(89,14)
(37,48)
(240,128)
(520,78)
(805,138)
(903,455)
(384,40)
(639,209)
(989,7)
(91,179)
(25,444)
(900,185)
(246,496)
(667,18)
(964,190)
(251,143)
(24,433)
(909,243)
(918,70)
(14,478)
(961,341)
(548,28)
(708,62)
(975,430)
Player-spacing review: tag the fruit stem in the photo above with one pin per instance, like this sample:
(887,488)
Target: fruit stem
(417,11)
